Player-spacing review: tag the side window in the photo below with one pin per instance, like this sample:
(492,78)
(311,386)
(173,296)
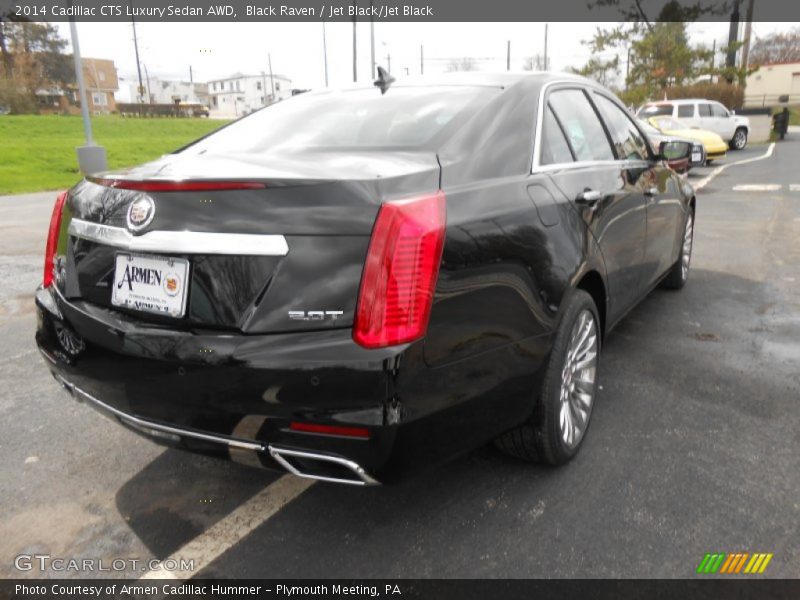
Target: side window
(585,134)
(719,111)
(704,109)
(686,110)
(628,142)
(554,145)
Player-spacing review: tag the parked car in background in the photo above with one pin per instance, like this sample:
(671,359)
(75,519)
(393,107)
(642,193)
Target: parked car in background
(352,284)
(4,110)
(715,147)
(703,114)
(656,137)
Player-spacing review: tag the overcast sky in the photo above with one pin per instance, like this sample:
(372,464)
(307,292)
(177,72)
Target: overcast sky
(220,49)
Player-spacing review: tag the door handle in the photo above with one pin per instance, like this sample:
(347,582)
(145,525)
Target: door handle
(588,197)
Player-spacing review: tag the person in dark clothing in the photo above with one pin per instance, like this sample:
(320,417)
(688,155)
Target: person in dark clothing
(780,122)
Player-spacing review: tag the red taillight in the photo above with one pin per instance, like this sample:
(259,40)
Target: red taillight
(394,302)
(354,432)
(178,186)
(52,240)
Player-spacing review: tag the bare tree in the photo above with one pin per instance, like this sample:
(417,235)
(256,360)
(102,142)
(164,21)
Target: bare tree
(465,63)
(533,63)
(776,48)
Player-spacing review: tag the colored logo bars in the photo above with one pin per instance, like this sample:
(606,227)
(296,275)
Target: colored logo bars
(732,564)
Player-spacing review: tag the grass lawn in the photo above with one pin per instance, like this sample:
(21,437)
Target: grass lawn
(37,152)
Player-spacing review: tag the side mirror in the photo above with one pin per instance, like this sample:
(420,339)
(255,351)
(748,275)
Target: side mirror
(673,150)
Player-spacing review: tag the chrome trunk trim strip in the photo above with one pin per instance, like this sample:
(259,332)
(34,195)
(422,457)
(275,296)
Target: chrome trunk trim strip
(181,242)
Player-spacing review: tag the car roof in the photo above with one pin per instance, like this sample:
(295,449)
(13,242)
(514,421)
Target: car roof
(503,79)
(680,101)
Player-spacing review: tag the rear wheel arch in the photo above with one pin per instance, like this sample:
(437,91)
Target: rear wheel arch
(592,283)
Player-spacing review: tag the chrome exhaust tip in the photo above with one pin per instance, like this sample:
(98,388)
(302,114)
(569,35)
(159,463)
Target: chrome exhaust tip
(300,463)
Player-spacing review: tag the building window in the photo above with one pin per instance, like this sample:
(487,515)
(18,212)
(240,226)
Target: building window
(214,86)
(98,99)
(258,85)
(238,86)
(278,86)
(101,75)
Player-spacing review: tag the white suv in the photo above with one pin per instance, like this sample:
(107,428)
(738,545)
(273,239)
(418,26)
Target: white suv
(703,114)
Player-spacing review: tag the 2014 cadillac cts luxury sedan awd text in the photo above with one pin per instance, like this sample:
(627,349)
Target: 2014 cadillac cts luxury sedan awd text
(354,284)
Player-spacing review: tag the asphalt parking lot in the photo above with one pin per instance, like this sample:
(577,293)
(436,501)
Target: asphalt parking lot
(694,447)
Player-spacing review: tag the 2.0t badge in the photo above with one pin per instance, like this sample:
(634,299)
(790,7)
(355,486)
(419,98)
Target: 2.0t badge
(140,212)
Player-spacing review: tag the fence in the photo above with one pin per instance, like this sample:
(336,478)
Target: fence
(130,109)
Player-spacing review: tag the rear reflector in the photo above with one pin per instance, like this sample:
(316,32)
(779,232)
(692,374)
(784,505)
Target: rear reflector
(396,295)
(51,247)
(354,432)
(178,186)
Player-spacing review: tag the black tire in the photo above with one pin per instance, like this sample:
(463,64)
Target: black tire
(739,139)
(678,276)
(540,439)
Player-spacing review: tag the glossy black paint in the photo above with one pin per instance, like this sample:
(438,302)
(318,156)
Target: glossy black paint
(517,244)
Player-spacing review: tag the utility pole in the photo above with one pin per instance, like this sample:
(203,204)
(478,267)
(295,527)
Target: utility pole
(748,29)
(421,60)
(91,158)
(263,89)
(355,46)
(138,64)
(733,38)
(545,46)
(191,77)
(271,78)
(388,63)
(371,41)
(713,59)
(324,53)
(149,95)
(508,56)
(628,67)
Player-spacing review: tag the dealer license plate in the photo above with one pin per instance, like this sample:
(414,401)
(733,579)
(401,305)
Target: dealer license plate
(696,157)
(155,284)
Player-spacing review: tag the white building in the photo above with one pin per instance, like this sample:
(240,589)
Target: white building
(773,84)
(162,91)
(240,94)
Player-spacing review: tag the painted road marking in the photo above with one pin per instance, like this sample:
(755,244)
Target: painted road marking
(704,182)
(757,187)
(794,187)
(227,532)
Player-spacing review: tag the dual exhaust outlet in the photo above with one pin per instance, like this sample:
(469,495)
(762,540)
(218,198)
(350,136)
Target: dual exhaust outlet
(302,463)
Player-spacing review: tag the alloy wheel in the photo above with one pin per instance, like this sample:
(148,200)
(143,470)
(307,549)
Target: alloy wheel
(578,379)
(739,139)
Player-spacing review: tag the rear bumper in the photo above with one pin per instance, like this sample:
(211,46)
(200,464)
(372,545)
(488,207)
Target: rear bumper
(175,435)
(233,396)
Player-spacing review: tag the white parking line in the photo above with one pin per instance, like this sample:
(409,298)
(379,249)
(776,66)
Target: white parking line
(704,182)
(757,187)
(230,530)
(794,187)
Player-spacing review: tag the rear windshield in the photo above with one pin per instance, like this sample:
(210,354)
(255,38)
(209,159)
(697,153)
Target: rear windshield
(654,109)
(403,118)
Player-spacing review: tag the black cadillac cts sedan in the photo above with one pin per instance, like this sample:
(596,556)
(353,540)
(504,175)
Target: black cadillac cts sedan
(352,284)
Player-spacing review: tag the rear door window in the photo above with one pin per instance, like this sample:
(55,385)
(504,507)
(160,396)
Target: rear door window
(686,111)
(628,141)
(704,110)
(583,129)
(555,149)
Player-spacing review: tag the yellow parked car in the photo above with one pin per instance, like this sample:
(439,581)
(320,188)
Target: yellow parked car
(714,145)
